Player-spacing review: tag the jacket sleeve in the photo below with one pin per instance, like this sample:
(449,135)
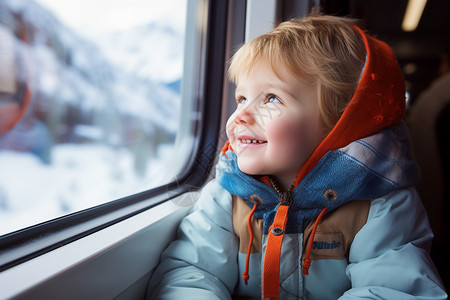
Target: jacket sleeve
(389,257)
(202,262)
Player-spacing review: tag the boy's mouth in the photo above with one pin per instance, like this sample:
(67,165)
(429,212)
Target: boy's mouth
(250,140)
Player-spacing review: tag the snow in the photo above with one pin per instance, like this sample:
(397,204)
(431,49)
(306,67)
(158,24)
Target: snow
(81,176)
(111,72)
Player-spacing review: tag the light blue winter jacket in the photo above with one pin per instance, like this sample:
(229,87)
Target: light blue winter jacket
(387,258)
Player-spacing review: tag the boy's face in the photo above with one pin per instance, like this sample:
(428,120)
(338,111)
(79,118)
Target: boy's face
(276,125)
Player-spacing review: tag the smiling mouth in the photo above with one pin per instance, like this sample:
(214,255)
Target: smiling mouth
(251,141)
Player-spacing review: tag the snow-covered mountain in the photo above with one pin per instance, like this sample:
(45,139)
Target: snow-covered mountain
(152,52)
(125,73)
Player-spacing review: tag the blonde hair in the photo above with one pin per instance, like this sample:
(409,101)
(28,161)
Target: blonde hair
(325,49)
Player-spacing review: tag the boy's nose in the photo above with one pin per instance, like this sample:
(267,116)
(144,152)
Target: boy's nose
(244,117)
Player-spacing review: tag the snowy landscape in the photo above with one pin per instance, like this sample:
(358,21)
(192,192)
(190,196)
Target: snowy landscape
(110,104)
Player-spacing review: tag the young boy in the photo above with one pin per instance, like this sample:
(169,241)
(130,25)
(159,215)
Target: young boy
(313,196)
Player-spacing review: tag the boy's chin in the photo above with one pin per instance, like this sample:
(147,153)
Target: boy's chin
(249,170)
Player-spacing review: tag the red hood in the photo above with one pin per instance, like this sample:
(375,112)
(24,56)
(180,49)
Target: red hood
(378,102)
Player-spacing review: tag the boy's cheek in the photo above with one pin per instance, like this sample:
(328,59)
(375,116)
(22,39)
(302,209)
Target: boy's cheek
(230,130)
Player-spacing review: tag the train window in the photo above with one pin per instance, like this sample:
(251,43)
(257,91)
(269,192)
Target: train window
(90,103)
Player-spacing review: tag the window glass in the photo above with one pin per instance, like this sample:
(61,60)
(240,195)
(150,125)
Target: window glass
(89,102)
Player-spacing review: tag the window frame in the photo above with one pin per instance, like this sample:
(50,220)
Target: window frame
(25,244)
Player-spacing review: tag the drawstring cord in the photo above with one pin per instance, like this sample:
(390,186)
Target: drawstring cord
(307,260)
(226,147)
(245,275)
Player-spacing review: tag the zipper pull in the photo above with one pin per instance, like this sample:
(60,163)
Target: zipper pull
(286,198)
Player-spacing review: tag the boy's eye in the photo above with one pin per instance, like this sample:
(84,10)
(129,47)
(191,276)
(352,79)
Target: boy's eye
(273,99)
(241,100)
